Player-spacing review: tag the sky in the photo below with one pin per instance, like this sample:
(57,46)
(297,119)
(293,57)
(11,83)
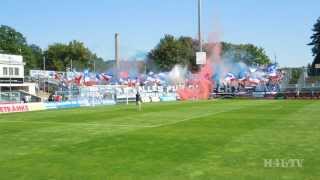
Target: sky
(282,27)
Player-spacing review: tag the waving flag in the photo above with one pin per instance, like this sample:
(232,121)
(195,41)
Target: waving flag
(254,80)
(57,76)
(252,70)
(230,77)
(77,79)
(98,77)
(150,79)
(105,77)
(89,80)
(272,70)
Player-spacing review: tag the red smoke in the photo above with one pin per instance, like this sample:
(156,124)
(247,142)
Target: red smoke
(200,86)
(124,74)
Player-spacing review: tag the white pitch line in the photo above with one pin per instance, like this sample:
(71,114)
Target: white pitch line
(194,117)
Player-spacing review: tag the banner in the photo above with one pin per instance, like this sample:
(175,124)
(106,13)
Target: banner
(36,106)
(10,108)
(61,105)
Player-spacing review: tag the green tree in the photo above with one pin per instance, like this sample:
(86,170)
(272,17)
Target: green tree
(13,42)
(33,57)
(189,47)
(57,57)
(316,43)
(246,53)
(171,51)
(60,56)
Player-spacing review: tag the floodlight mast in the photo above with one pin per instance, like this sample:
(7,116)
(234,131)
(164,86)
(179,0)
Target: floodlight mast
(199,24)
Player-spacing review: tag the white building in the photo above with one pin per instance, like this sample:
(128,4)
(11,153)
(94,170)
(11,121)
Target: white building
(11,68)
(12,75)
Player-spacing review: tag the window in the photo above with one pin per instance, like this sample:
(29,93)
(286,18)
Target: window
(10,71)
(16,71)
(5,71)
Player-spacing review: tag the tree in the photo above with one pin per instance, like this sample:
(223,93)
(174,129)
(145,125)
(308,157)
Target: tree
(13,42)
(33,56)
(246,53)
(56,57)
(316,43)
(189,47)
(171,51)
(60,56)
(80,55)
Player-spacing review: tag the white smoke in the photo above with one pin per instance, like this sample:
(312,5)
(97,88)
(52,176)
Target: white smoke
(178,74)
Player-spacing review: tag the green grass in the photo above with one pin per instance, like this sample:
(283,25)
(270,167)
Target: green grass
(223,139)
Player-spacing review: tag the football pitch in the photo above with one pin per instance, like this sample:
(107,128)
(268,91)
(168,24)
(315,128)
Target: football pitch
(218,139)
